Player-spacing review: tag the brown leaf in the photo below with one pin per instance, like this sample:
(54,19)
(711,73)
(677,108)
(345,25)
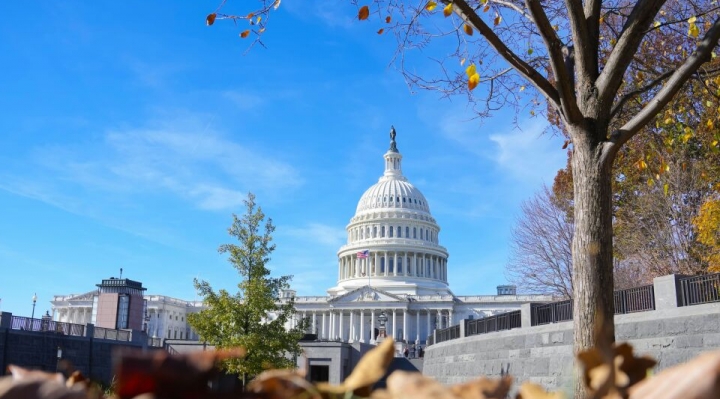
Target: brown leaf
(283,384)
(168,375)
(367,372)
(380,32)
(565,144)
(483,388)
(529,390)
(210,19)
(38,388)
(388,19)
(696,379)
(468,29)
(364,13)
(405,384)
(245,33)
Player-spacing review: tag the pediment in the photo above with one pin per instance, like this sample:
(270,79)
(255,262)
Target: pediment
(367,294)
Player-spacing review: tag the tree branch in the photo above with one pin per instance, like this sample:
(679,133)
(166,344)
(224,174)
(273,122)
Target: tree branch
(463,9)
(584,52)
(627,96)
(622,54)
(563,78)
(681,75)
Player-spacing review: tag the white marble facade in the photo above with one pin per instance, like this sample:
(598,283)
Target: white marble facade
(402,270)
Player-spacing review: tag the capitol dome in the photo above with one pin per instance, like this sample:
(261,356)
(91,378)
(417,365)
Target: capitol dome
(393,242)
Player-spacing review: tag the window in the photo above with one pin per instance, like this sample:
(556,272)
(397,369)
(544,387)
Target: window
(390,230)
(421,234)
(403,199)
(399,265)
(382,231)
(374,231)
(382,265)
(399,233)
(123,312)
(407,232)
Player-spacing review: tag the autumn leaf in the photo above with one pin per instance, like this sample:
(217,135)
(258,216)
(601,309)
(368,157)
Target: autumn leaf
(565,144)
(388,19)
(430,5)
(693,30)
(473,81)
(529,390)
(497,20)
(380,32)
(364,13)
(468,29)
(210,19)
(486,8)
(245,33)
(367,372)
(447,10)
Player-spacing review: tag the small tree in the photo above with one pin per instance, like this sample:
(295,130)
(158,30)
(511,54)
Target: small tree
(254,318)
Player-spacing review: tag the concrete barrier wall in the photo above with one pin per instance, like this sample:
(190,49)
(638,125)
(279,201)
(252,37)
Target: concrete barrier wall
(543,354)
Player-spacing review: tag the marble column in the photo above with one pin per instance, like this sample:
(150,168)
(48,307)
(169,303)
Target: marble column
(428,324)
(351,332)
(323,334)
(450,317)
(362,325)
(314,323)
(372,326)
(405,334)
(331,329)
(394,319)
(342,333)
(417,327)
(395,264)
(439,320)
(377,269)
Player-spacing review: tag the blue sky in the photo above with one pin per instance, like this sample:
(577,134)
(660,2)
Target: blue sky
(130,132)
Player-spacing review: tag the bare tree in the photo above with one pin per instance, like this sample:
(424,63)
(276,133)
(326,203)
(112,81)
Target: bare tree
(541,258)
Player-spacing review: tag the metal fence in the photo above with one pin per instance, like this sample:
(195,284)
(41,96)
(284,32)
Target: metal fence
(498,322)
(636,299)
(46,325)
(111,334)
(155,341)
(699,289)
(553,312)
(447,334)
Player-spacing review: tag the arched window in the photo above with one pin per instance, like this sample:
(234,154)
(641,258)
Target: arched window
(399,232)
(374,231)
(390,231)
(391,265)
(399,265)
(407,232)
(414,232)
(382,265)
(382,231)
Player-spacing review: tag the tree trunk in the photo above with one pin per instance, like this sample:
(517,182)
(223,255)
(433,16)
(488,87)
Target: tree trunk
(592,249)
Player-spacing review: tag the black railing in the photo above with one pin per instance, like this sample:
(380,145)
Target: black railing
(111,334)
(553,312)
(636,299)
(45,325)
(699,289)
(447,334)
(155,341)
(498,322)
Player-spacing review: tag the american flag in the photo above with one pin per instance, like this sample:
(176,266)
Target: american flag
(363,254)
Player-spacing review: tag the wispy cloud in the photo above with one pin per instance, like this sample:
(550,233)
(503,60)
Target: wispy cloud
(528,154)
(322,234)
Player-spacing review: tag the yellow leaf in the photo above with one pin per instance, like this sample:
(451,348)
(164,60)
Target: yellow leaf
(381,31)
(471,70)
(666,188)
(430,5)
(532,113)
(715,143)
(364,13)
(210,19)
(710,124)
(668,121)
(556,27)
(522,88)
(468,29)
(602,19)
(651,182)
(497,20)
(245,33)
(447,10)
(692,20)
(693,30)
(641,164)
(473,81)
(656,24)
(612,42)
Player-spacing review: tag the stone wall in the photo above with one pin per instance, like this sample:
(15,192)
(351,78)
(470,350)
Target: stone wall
(39,350)
(543,354)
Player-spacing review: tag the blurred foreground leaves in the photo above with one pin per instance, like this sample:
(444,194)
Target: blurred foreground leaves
(611,371)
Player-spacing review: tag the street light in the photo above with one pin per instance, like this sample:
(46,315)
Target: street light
(34,298)
(59,356)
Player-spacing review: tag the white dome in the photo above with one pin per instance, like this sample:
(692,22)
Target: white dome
(392,193)
(393,241)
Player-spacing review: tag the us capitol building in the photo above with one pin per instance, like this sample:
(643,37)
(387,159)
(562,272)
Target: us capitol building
(392,267)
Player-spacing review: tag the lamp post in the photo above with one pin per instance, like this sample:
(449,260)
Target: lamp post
(34,299)
(59,356)
(382,319)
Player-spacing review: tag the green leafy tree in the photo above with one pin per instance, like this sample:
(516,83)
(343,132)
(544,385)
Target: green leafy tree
(255,318)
